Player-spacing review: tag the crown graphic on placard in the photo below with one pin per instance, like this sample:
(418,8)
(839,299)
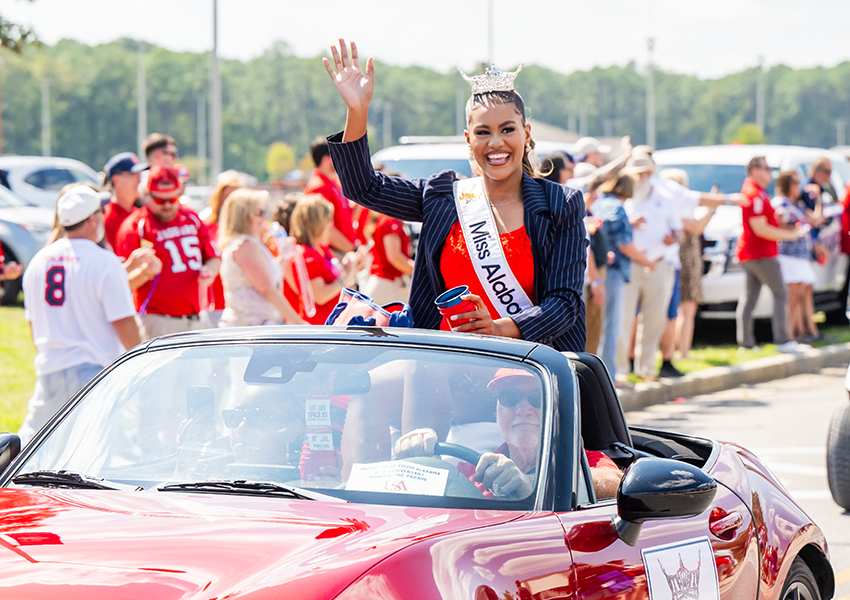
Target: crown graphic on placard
(684,583)
(493,80)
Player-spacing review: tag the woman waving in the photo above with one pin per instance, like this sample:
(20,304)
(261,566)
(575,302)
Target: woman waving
(516,239)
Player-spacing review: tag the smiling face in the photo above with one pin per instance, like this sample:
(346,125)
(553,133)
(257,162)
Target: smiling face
(497,136)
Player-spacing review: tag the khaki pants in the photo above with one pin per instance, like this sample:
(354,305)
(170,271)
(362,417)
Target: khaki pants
(653,290)
(383,291)
(594,316)
(155,325)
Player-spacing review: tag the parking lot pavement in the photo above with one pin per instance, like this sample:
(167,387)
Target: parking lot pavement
(785,423)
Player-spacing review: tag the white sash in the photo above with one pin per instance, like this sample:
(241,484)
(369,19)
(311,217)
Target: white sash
(485,248)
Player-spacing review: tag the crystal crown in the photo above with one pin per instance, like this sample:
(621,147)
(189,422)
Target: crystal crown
(493,80)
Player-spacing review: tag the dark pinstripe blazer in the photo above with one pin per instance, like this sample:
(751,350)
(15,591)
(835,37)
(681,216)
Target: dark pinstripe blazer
(554,222)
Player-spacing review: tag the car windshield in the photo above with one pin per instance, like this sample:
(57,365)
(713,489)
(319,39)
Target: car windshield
(350,421)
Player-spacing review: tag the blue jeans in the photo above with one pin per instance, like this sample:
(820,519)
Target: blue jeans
(51,393)
(614,282)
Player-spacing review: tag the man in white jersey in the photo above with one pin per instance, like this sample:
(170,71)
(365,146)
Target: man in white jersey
(78,303)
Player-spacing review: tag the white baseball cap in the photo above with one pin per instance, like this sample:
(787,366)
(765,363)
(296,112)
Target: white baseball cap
(76,205)
(589,145)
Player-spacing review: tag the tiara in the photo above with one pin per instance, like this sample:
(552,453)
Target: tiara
(493,80)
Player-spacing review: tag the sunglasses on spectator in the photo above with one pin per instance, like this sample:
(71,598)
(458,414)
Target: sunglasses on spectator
(260,212)
(510,398)
(253,417)
(763,167)
(165,200)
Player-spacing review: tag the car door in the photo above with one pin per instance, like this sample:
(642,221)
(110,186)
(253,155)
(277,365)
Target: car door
(669,550)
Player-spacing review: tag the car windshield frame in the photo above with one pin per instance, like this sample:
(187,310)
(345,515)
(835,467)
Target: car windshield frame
(146,364)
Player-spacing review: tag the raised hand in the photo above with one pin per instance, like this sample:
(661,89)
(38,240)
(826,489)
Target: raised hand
(353,86)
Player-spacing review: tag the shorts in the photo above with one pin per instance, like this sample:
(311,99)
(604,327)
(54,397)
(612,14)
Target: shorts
(673,308)
(796,270)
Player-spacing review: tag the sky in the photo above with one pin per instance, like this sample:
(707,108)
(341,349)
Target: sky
(707,39)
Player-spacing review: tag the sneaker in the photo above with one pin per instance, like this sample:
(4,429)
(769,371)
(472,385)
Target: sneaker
(792,347)
(669,371)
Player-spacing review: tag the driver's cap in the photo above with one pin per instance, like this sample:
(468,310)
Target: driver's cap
(508,374)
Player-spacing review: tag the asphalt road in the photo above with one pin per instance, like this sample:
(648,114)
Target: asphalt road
(784,422)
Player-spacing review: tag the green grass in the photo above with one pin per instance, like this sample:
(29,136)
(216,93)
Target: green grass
(17,374)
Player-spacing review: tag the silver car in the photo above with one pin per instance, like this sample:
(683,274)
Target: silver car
(23,231)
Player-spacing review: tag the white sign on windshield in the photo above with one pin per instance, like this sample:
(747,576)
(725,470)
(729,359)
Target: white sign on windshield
(398,477)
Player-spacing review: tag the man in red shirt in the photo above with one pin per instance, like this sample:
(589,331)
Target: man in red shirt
(757,251)
(170,302)
(123,176)
(343,238)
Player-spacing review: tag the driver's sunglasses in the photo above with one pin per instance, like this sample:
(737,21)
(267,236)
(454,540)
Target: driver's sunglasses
(253,417)
(510,398)
(165,200)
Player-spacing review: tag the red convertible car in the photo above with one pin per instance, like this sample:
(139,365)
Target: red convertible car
(384,464)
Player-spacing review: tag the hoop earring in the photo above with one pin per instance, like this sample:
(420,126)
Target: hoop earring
(533,159)
(473,166)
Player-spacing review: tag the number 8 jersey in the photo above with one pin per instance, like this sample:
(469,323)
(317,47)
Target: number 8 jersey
(73,291)
(183,245)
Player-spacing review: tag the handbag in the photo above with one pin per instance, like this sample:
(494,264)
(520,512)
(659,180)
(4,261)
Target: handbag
(356,308)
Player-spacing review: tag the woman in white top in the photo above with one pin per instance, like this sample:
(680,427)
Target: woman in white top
(251,275)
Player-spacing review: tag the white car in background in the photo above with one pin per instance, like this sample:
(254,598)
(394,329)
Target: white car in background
(38,179)
(726,168)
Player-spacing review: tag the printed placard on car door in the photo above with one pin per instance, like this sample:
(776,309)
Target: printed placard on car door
(681,571)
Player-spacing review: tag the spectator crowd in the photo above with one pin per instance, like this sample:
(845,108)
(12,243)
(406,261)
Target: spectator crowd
(133,261)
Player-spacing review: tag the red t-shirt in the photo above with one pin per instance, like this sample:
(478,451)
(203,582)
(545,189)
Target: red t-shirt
(183,245)
(381,266)
(330,191)
(113,216)
(456,266)
(757,204)
(318,265)
(215,293)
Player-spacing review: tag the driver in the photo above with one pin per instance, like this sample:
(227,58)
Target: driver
(509,470)
(266,427)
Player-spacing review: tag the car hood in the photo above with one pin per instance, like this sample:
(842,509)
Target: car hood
(35,219)
(87,544)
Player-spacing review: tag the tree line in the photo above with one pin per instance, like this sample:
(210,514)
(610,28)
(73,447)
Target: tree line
(281,98)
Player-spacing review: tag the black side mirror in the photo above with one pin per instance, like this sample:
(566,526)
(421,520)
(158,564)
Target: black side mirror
(660,488)
(10,447)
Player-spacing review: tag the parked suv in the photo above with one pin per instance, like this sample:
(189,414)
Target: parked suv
(38,179)
(726,168)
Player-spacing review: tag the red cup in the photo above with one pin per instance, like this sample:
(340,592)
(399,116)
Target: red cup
(451,303)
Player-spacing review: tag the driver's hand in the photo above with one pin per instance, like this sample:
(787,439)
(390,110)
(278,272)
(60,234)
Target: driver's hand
(499,474)
(419,442)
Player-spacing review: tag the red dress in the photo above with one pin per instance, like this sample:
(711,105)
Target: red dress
(456,266)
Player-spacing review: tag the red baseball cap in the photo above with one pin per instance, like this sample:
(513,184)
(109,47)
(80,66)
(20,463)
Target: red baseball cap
(164,180)
(505,373)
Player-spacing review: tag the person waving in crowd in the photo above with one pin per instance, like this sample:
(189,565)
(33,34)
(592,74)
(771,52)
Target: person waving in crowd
(252,277)
(515,239)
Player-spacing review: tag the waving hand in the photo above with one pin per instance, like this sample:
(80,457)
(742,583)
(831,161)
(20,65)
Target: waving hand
(353,86)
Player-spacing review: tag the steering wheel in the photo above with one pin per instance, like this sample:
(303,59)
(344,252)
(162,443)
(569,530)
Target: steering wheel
(462,452)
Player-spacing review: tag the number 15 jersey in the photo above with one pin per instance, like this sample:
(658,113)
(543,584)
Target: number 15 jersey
(183,245)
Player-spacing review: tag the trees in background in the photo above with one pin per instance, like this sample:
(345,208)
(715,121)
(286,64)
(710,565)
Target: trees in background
(279,97)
